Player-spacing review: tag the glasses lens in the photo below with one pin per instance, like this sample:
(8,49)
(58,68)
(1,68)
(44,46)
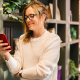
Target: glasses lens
(31,16)
(25,17)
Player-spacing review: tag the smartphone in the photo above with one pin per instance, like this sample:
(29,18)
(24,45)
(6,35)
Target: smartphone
(4,38)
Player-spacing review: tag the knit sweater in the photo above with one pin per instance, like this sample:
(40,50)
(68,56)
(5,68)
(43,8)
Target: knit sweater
(38,58)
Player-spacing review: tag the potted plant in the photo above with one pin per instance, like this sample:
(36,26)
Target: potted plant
(12,7)
(73,70)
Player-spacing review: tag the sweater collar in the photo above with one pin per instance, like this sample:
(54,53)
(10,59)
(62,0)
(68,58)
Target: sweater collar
(35,39)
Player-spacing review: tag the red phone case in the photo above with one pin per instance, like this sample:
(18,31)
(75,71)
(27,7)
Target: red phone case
(3,37)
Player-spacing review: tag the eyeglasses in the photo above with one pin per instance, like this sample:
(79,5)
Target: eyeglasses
(30,16)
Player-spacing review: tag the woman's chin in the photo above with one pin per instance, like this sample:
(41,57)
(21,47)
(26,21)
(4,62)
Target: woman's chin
(31,29)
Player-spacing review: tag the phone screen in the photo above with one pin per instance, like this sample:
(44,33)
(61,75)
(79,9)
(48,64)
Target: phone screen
(3,37)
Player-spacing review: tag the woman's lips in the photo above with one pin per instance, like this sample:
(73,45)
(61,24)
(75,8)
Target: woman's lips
(30,24)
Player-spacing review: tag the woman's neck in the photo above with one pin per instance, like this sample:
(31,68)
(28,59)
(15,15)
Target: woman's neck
(38,33)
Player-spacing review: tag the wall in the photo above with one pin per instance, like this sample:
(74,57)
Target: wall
(1,22)
(1,59)
(79,23)
(4,71)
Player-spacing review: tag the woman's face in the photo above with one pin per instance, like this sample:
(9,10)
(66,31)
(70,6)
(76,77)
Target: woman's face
(32,19)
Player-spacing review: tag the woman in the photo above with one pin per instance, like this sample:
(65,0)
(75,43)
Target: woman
(38,50)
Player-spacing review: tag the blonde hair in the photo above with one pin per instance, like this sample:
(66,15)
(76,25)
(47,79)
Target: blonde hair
(40,9)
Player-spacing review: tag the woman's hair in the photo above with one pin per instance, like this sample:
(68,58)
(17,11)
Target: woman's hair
(40,9)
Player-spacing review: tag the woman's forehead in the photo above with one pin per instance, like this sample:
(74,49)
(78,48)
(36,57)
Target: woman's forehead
(29,10)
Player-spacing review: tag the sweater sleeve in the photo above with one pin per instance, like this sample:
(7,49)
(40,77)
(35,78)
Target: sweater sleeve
(18,56)
(48,61)
(15,64)
(12,65)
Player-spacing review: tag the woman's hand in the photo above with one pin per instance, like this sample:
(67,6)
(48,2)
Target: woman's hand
(3,50)
(16,75)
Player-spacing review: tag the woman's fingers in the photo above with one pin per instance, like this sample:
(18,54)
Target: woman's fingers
(3,44)
(5,51)
(1,41)
(16,75)
(7,47)
(4,48)
(9,50)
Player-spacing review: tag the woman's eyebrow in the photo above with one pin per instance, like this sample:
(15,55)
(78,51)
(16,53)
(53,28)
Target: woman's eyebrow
(29,14)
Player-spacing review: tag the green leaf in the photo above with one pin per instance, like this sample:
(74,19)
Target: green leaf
(73,70)
(3,5)
(12,5)
(7,4)
(4,12)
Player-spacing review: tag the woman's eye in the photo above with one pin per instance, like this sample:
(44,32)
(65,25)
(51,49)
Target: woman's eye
(31,16)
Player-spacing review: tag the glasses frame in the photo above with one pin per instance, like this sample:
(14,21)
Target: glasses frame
(29,16)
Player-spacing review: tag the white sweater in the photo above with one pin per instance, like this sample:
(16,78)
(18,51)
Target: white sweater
(37,59)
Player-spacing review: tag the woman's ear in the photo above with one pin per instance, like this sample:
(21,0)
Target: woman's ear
(43,17)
